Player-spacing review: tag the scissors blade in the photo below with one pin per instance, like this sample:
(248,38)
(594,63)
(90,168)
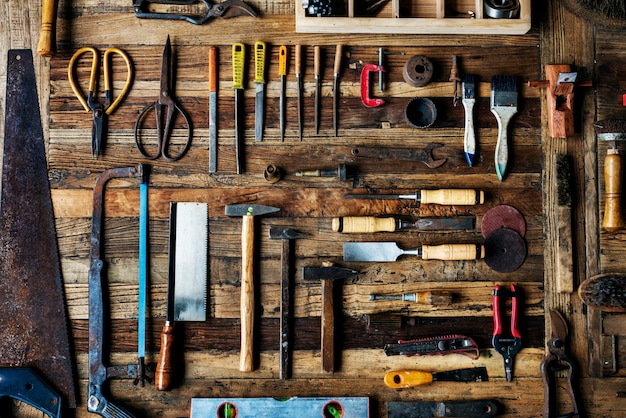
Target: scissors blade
(167,84)
(558,326)
(97,130)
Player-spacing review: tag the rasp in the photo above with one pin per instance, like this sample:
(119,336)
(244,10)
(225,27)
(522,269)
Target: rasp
(259,80)
(480,408)
(445,344)
(398,379)
(32,334)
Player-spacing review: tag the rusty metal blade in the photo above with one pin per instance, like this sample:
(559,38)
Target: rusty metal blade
(33,318)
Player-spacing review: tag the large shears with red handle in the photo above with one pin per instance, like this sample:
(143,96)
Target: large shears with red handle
(508,347)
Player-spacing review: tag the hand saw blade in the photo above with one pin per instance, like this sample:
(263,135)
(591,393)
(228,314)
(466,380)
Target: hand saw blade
(190,261)
(32,333)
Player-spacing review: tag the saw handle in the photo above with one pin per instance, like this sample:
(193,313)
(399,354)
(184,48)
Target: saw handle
(612,220)
(47,34)
(164,367)
(363,224)
(453,252)
(453,196)
(398,379)
(247,293)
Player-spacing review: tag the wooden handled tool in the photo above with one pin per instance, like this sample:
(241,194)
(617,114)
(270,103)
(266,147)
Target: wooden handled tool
(369,224)
(612,130)
(247,212)
(436,196)
(47,34)
(390,251)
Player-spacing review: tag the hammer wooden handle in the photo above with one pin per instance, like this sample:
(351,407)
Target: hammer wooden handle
(453,196)
(363,224)
(328,326)
(453,252)
(613,183)
(164,367)
(47,34)
(247,293)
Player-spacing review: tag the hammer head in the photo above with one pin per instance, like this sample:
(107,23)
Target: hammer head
(249,210)
(286,233)
(327,273)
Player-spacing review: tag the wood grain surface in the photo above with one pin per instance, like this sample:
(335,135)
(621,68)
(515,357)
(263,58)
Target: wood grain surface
(208,352)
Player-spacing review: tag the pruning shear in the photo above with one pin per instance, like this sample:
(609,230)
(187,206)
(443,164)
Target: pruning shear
(507,347)
(225,10)
(555,361)
(90,103)
(166,109)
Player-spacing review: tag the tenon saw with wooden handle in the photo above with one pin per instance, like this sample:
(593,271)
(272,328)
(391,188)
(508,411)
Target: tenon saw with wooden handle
(187,281)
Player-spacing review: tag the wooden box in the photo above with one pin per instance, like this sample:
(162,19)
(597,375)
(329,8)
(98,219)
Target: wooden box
(456,17)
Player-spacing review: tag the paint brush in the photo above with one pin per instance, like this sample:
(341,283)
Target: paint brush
(503,103)
(469,99)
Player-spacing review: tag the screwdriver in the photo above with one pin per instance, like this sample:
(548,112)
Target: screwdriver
(239,53)
(282,72)
(318,85)
(259,79)
(336,70)
(299,83)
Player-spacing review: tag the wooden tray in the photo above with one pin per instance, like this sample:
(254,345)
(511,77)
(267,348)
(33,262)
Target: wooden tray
(418,17)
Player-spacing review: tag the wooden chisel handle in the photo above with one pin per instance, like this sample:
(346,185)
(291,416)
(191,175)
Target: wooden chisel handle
(453,252)
(298,59)
(317,61)
(453,196)
(363,224)
(612,220)
(247,293)
(398,379)
(164,367)
(47,34)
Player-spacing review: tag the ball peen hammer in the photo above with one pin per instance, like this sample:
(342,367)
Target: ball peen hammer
(328,274)
(247,212)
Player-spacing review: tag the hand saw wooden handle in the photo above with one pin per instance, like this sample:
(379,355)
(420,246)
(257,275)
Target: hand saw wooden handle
(612,220)
(164,367)
(247,293)
(47,34)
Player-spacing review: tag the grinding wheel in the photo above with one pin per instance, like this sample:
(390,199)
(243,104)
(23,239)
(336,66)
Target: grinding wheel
(503,216)
(505,250)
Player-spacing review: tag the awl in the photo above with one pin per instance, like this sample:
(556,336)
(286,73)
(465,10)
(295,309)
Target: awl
(389,251)
(238,60)
(187,279)
(398,379)
(425,196)
(259,80)
(369,224)
(282,72)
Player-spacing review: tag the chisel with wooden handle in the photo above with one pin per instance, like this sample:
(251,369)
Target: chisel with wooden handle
(47,34)
(389,251)
(437,196)
(369,224)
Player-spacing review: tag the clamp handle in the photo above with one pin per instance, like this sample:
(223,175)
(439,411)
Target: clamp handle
(366,84)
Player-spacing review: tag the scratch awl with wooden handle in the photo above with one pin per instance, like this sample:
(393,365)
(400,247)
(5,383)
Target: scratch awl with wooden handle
(368,224)
(247,212)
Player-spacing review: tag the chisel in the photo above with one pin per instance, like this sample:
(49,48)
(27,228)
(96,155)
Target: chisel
(212,109)
(368,224)
(238,60)
(389,251)
(300,89)
(336,71)
(318,85)
(398,379)
(282,72)
(439,197)
(259,80)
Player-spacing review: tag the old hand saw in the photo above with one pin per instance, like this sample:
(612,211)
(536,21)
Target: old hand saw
(32,334)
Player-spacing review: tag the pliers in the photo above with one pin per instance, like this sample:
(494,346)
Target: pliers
(507,347)
(225,10)
(555,361)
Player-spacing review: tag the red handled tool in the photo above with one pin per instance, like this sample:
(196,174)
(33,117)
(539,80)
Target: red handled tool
(366,84)
(507,347)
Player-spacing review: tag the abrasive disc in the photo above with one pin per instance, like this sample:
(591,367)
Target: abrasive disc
(503,216)
(505,250)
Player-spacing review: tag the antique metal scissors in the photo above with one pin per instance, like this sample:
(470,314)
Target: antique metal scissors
(555,361)
(224,10)
(90,103)
(165,109)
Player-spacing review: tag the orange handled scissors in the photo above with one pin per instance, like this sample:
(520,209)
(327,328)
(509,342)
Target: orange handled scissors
(165,109)
(90,102)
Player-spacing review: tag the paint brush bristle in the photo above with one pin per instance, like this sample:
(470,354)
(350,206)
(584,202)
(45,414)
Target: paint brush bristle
(503,90)
(469,87)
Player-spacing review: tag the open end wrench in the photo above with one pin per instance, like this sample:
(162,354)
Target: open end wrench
(408,154)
